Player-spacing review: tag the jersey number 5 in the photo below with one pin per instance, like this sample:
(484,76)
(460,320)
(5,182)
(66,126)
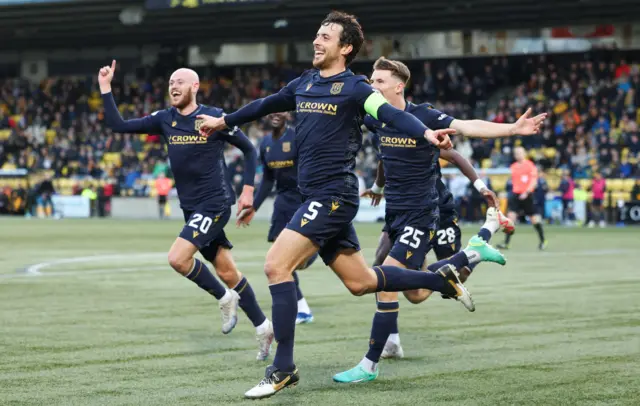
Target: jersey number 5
(199,222)
(313,212)
(415,235)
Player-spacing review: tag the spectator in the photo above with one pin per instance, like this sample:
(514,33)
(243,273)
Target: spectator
(598,187)
(567,186)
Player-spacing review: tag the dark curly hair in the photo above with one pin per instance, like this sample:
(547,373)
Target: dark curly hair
(351,32)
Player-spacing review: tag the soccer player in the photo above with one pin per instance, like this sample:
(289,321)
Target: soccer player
(279,155)
(205,194)
(330,103)
(412,174)
(524,180)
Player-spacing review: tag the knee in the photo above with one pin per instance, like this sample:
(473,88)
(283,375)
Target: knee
(357,288)
(360,287)
(417,296)
(275,271)
(179,263)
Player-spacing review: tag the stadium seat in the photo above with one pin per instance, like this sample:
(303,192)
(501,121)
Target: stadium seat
(627,185)
(550,153)
(486,163)
(553,182)
(4,134)
(498,183)
(585,184)
(614,185)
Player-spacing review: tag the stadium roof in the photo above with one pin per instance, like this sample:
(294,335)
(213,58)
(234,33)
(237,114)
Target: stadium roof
(83,23)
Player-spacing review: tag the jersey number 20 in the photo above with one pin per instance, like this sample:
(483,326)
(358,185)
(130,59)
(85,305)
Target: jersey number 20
(196,223)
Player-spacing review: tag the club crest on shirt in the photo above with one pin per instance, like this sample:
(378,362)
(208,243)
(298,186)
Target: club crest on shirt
(336,88)
(173,124)
(286,146)
(198,124)
(308,86)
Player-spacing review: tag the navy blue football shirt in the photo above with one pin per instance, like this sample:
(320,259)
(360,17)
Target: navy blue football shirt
(410,165)
(197,162)
(278,157)
(329,113)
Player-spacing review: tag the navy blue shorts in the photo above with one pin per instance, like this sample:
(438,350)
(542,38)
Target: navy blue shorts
(205,230)
(411,233)
(328,223)
(448,239)
(284,207)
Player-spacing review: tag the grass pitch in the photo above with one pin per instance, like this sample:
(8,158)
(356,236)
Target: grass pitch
(101,319)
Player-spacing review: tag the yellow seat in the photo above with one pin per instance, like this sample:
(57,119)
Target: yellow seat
(550,153)
(585,184)
(498,183)
(141,156)
(112,158)
(614,185)
(553,182)
(486,163)
(627,185)
(4,134)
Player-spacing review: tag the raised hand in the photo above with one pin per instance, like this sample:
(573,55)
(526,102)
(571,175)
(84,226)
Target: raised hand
(105,76)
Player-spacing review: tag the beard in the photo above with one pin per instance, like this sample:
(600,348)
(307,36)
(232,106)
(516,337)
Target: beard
(326,61)
(184,101)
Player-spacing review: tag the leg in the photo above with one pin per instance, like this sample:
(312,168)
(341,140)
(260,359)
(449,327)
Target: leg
(304,315)
(384,246)
(536,220)
(512,216)
(228,272)
(287,253)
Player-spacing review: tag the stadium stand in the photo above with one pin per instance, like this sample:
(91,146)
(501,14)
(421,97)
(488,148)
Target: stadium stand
(593,98)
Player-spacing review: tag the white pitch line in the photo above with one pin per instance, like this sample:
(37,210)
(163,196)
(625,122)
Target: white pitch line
(37,268)
(112,270)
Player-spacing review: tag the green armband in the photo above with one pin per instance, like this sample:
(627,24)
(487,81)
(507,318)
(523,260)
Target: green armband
(373,103)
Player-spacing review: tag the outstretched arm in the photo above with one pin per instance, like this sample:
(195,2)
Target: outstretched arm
(526,125)
(379,108)
(284,100)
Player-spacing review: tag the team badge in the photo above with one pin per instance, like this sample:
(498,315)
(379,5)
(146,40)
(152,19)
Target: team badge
(198,124)
(336,88)
(174,124)
(309,86)
(268,149)
(286,146)
(334,206)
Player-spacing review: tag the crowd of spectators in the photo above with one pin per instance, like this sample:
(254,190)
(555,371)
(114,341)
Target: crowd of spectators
(593,102)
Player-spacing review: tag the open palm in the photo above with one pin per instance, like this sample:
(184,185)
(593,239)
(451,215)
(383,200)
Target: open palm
(527,125)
